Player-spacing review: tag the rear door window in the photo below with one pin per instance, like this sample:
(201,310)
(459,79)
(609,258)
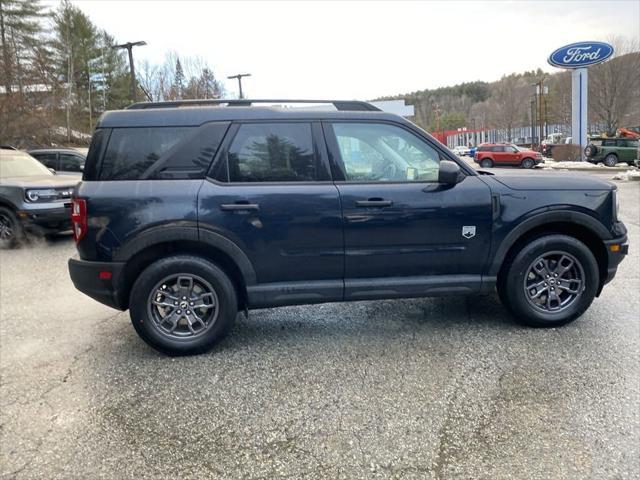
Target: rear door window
(272,152)
(49,160)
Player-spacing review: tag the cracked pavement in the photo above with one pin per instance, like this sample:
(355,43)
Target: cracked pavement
(431,388)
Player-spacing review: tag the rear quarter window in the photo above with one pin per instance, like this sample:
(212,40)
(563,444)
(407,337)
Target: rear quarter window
(131,151)
(157,153)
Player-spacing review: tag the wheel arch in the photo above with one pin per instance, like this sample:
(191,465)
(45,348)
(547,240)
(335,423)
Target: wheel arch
(7,205)
(211,246)
(574,224)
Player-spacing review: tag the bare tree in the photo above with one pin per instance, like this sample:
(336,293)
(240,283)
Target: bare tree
(614,86)
(509,101)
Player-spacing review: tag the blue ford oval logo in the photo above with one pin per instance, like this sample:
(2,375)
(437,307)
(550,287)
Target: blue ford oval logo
(582,54)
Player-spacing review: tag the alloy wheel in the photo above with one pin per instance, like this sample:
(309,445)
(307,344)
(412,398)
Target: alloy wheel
(554,281)
(6,228)
(183,306)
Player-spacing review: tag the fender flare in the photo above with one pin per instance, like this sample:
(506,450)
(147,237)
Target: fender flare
(581,219)
(165,234)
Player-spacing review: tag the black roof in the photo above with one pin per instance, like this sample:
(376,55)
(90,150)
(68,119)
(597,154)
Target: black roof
(195,113)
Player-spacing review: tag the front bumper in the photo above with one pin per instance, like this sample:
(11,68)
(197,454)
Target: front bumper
(46,220)
(98,280)
(617,249)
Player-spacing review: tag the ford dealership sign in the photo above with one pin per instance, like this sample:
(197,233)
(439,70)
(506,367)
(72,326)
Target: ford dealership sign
(582,54)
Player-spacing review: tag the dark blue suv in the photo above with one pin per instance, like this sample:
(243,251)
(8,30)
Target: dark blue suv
(191,211)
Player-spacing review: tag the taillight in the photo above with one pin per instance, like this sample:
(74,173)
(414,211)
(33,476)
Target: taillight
(79,218)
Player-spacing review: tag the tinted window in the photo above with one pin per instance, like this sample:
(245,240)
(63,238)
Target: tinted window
(484,149)
(373,152)
(608,143)
(71,163)
(98,142)
(497,149)
(281,152)
(49,160)
(630,143)
(131,151)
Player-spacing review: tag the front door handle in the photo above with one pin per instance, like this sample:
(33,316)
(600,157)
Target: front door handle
(374,202)
(240,206)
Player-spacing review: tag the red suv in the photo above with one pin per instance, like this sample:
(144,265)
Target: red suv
(490,154)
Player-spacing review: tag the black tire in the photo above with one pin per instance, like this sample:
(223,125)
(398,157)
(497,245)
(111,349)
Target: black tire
(486,163)
(528,163)
(590,151)
(610,160)
(528,311)
(145,315)
(11,233)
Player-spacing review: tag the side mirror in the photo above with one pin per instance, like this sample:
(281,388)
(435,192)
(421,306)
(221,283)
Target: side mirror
(52,171)
(449,172)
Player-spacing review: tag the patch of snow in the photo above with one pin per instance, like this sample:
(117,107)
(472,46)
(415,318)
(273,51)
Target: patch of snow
(628,175)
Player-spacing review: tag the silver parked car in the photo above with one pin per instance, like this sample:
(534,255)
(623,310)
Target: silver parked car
(32,198)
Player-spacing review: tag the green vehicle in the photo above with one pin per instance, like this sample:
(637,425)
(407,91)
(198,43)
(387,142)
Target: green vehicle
(612,151)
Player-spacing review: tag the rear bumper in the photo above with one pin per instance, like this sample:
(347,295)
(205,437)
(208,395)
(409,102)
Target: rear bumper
(98,280)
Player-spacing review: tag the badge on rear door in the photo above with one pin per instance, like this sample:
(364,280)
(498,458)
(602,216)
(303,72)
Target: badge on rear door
(468,231)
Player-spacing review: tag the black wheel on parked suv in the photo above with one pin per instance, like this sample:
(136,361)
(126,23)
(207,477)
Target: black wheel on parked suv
(551,281)
(528,163)
(10,229)
(183,305)
(611,160)
(486,163)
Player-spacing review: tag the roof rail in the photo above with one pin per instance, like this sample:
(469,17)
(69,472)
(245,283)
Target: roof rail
(342,105)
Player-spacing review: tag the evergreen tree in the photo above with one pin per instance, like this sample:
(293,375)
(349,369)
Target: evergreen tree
(178,81)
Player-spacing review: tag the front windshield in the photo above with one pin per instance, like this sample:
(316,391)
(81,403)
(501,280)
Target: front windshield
(14,163)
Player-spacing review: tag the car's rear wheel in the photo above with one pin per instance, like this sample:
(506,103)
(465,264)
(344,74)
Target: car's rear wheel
(183,305)
(10,229)
(611,160)
(528,163)
(551,281)
(486,163)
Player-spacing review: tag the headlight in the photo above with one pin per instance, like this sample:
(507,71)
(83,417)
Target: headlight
(41,195)
(616,205)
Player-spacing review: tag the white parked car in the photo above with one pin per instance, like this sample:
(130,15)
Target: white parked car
(461,150)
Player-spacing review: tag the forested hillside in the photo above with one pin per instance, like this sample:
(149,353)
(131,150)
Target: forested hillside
(614,97)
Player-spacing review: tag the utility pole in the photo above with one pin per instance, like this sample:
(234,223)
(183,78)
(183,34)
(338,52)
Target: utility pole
(239,77)
(533,121)
(129,47)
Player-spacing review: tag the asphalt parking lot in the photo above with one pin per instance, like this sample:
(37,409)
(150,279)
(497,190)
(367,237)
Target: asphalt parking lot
(429,388)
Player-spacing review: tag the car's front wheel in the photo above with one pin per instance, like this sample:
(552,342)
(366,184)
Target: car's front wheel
(528,163)
(10,229)
(183,305)
(551,281)
(610,160)
(486,163)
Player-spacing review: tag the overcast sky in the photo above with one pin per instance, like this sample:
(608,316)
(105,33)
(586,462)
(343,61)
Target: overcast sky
(360,49)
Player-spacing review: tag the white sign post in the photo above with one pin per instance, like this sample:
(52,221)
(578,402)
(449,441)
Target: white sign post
(579,106)
(577,57)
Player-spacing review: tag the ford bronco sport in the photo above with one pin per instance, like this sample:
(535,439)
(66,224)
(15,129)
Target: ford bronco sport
(612,151)
(191,211)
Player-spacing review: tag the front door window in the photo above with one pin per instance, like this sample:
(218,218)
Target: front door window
(384,153)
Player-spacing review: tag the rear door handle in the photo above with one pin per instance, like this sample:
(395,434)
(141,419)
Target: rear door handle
(374,202)
(240,206)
